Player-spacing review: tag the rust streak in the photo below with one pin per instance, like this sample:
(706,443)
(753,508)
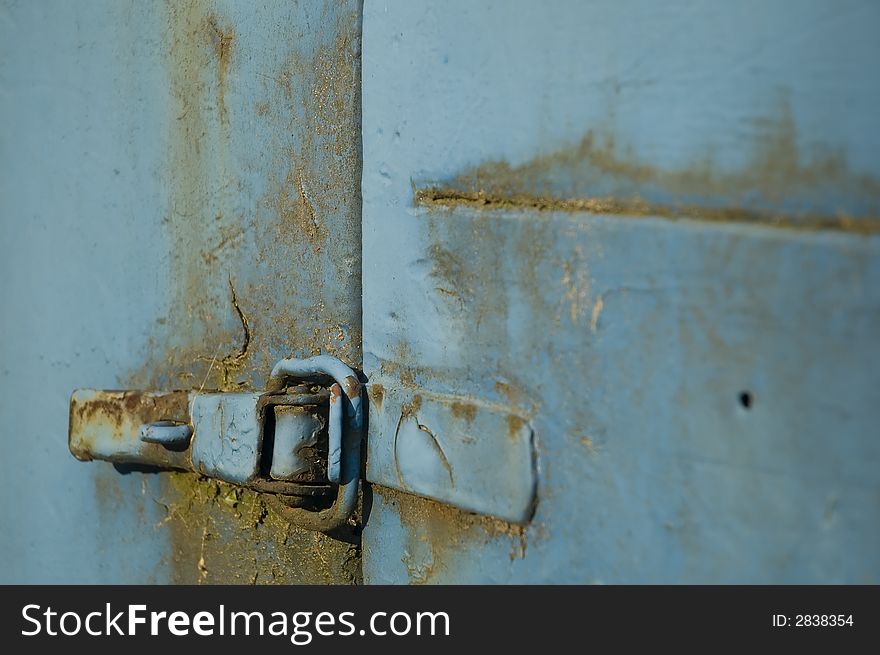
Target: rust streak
(776,186)
(377,395)
(451,198)
(223,41)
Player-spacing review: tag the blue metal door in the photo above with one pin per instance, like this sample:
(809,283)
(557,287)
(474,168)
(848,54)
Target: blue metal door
(609,271)
(179,189)
(648,232)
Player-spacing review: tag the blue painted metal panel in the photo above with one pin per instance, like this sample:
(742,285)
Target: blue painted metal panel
(607,217)
(475,456)
(179,208)
(76,309)
(753,105)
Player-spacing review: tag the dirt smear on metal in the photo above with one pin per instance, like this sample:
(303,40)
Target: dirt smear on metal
(258,271)
(435,533)
(759,193)
(232,536)
(263,259)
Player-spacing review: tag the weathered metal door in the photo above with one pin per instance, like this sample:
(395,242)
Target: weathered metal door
(609,271)
(181,209)
(647,231)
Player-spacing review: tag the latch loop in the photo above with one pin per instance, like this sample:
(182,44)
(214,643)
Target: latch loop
(344,432)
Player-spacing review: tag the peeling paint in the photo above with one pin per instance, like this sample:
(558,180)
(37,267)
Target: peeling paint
(102,422)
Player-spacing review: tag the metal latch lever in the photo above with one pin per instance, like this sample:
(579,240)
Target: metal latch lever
(298,443)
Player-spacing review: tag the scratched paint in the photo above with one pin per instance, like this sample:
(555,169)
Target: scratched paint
(473,456)
(643,441)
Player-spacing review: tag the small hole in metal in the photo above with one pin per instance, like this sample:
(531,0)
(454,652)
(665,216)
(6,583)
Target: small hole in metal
(745,399)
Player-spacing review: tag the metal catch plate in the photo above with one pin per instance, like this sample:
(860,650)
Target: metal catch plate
(473,455)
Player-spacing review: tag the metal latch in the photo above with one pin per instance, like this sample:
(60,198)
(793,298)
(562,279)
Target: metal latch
(299,441)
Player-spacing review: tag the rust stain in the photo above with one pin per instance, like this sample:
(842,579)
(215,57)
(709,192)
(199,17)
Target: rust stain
(377,395)
(282,254)
(297,211)
(123,408)
(411,408)
(507,391)
(229,237)
(777,171)
(464,410)
(596,313)
(309,227)
(223,39)
(119,415)
(403,372)
(204,232)
(452,276)
(515,424)
(589,444)
(450,198)
(451,255)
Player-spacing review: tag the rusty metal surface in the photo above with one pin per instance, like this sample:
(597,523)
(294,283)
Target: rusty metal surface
(226,434)
(296,451)
(500,260)
(346,412)
(107,425)
(345,434)
(262,226)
